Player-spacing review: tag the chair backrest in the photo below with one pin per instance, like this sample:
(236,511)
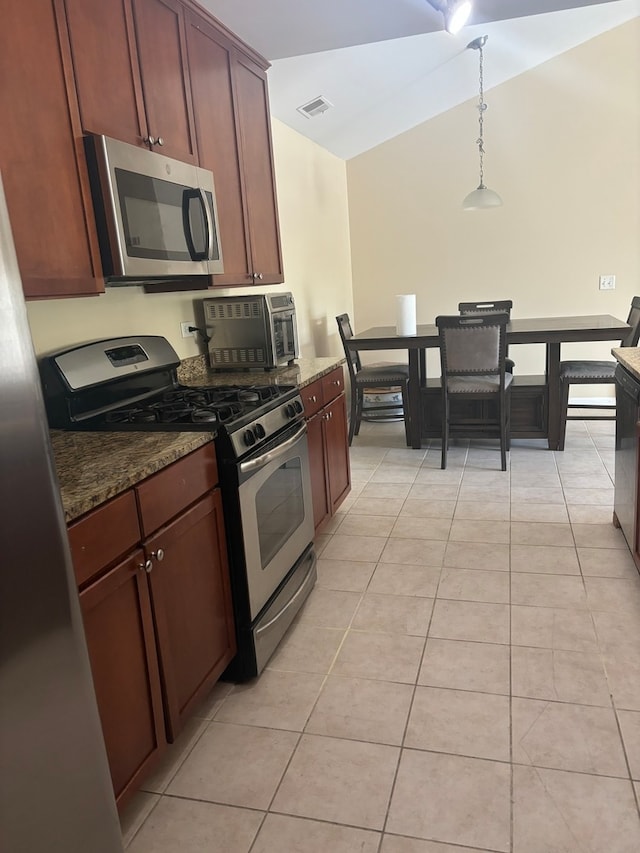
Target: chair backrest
(473,344)
(631,340)
(346,332)
(499,306)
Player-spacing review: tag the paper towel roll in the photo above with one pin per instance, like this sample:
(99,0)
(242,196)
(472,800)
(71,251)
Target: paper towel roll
(406,314)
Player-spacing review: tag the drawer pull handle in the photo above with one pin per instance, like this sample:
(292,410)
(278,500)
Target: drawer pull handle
(159,554)
(147,566)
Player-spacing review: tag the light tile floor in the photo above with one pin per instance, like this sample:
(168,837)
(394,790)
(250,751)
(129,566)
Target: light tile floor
(464,677)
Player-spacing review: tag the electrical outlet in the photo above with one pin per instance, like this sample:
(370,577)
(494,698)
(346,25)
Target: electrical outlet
(607,282)
(184,330)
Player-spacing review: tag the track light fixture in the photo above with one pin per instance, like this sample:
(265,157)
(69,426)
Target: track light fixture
(455,12)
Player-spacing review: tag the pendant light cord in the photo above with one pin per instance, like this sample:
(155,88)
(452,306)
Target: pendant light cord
(481,108)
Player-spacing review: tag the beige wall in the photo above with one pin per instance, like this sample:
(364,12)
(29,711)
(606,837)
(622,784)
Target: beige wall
(312,196)
(562,149)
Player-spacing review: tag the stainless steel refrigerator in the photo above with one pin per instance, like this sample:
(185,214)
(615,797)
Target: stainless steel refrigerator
(55,790)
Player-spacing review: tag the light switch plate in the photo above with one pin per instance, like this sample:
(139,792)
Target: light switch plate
(607,282)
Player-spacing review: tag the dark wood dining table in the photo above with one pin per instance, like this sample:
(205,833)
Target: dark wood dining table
(550,331)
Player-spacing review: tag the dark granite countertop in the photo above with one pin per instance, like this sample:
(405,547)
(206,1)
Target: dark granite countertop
(95,466)
(629,358)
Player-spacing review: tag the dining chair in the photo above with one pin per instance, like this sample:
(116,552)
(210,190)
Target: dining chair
(496,306)
(375,376)
(593,373)
(472,356)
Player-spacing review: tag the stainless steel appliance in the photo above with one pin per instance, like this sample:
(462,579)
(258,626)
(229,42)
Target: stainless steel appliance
(626,455)
(55,789)
(246,332)
(261,444)
(157,217)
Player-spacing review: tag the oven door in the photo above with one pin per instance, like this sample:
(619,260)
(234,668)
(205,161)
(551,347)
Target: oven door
(276,512)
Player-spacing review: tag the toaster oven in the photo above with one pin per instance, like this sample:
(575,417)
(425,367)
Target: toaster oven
(248,332)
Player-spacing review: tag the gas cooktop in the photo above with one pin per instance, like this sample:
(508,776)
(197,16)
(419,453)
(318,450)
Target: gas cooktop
(131,384)
(189,407)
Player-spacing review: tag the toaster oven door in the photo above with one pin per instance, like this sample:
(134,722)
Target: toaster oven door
(285,336)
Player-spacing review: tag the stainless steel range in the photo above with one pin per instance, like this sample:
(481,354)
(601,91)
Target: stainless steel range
(261,445)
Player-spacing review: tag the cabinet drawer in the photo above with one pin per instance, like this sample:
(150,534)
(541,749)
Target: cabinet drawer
(312,398)
(104,535)
(168,492)
(332,385)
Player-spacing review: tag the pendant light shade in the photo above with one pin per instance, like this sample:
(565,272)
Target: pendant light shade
(482,197)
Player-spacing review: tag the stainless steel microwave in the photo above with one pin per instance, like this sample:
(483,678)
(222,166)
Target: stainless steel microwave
(157,217)
(251,331)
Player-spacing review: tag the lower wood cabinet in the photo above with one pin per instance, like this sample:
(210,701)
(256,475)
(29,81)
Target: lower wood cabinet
(158,613)
(327,431)
(120,636)
(191,598)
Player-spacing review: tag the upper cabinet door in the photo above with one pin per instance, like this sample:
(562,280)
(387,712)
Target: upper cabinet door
(161,45)
(106,71)
(252,106)
(41,158)
(210,69)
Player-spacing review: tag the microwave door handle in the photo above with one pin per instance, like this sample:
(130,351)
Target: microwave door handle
(187,196)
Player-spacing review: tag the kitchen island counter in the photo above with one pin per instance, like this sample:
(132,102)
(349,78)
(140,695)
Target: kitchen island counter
(93,467)
(629,358)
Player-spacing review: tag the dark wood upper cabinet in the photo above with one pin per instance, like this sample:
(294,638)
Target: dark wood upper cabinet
(155,73)
(134,84)
(41,157)
(106,74)
(160,40)
(212,87)
(259,182)
(233,128)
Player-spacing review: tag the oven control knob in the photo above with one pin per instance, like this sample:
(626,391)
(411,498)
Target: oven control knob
(259,431)
(249,438)
(297,406)
(289,410)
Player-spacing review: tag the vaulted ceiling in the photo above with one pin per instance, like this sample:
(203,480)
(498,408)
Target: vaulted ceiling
(388,65)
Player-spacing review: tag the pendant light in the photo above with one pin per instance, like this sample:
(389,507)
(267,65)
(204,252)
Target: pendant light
(482,197)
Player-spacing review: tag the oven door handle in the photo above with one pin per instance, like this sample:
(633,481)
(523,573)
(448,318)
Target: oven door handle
(271,455)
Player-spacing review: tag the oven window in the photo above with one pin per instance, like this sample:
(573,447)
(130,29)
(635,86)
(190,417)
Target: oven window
(279,508)
(283,335)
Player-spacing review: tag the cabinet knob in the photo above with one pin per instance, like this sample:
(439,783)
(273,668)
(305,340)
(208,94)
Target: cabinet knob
(159,141)
(258,275)
(146,566)
(159,554)
(150,140)
(337,382)
(313,399)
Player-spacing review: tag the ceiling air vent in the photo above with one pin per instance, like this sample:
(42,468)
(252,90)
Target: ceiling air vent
(315,107)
